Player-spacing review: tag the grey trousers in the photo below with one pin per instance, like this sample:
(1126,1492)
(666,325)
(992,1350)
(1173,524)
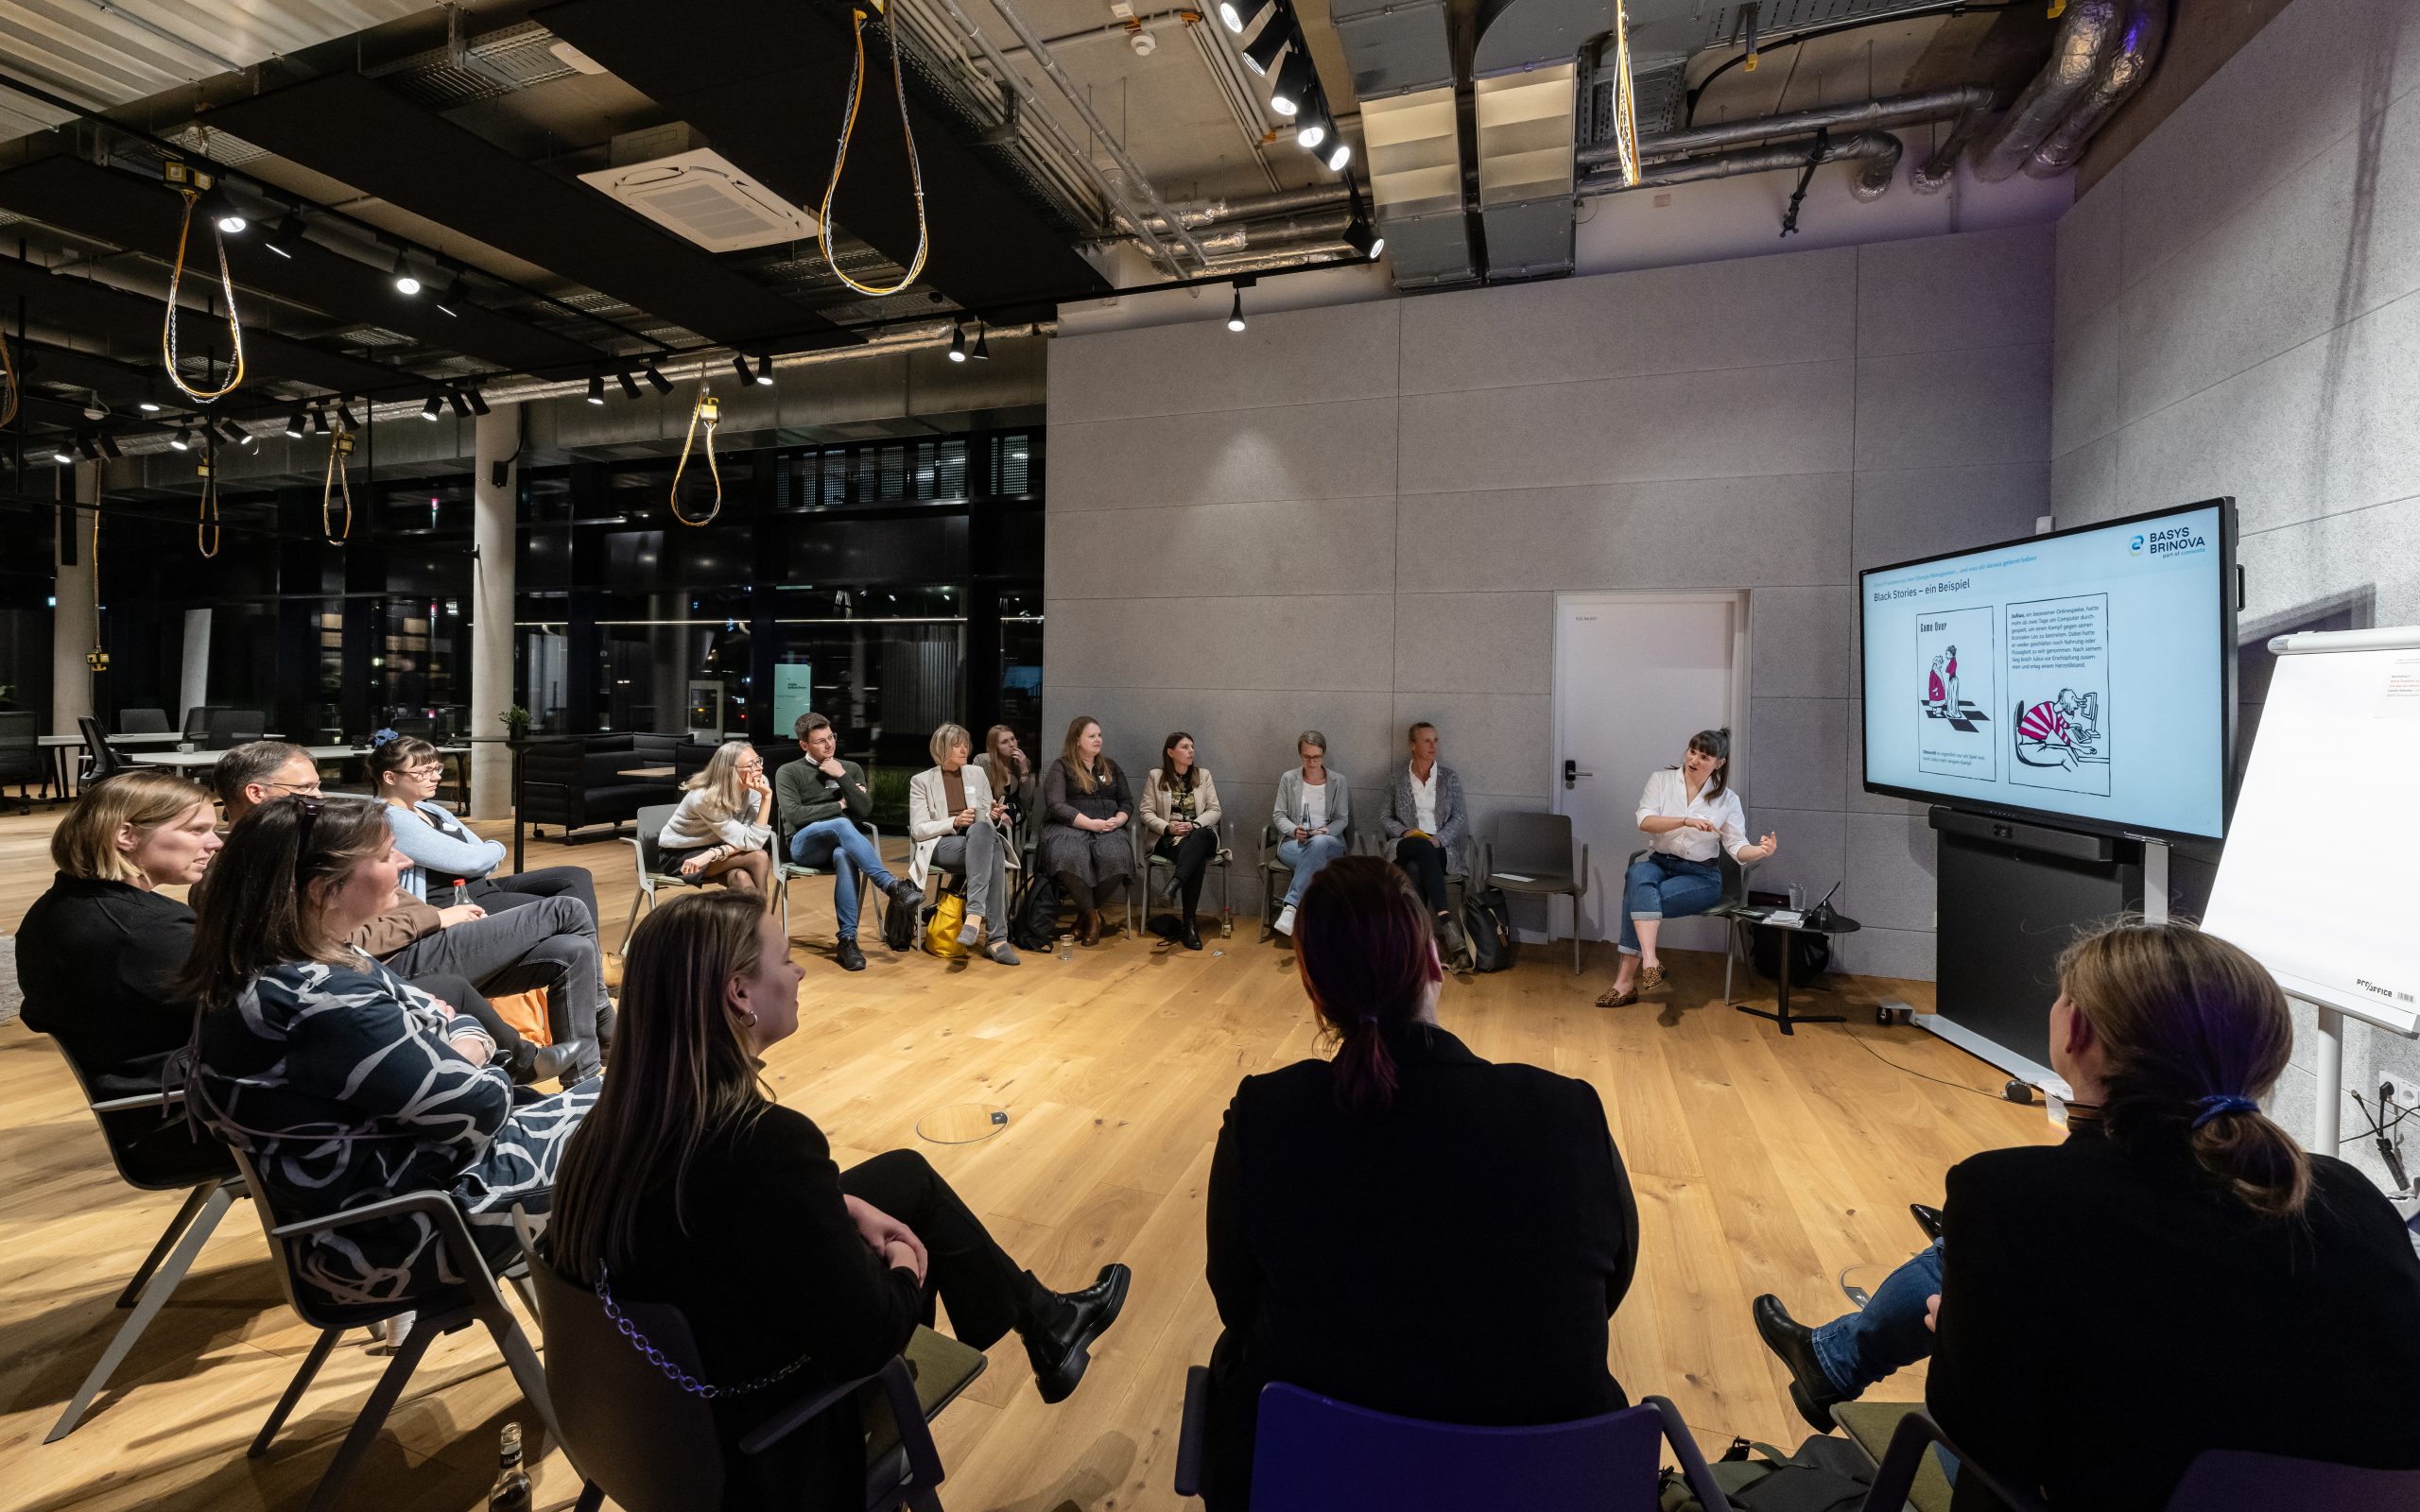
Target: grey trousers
(978,859)
(549,943)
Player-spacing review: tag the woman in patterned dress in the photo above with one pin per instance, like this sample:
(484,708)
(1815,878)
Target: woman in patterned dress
(343,1084)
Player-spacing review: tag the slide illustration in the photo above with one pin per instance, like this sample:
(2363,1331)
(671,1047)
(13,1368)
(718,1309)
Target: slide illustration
(2058,651)
(1954,647)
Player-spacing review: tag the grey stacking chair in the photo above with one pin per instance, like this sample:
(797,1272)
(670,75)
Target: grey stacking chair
(646,840)
(143,722)
(1150,868)
(1531,856)
(787,871)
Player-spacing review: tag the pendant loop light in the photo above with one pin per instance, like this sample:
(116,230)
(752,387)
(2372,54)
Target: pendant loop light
(339,447)
(708,409)
(9,378)
(192,197)
(205,522)
(840,158)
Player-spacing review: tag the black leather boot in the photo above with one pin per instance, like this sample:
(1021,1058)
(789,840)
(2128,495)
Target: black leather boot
(1811,1390)
(1059,1343)
(1927,1219)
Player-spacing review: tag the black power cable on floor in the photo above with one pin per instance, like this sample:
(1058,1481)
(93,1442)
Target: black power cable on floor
(1913,1071)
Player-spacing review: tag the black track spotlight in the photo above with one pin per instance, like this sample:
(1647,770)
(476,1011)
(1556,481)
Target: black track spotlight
(88,449)
(407,276)
(765,370)
(182,440)
(1236,310)
(435,407)
(597,388)
(657,381)
(1340,152)
(108,446)
(296,424)
(61,454)
(1311,127)
(320,417)
(1359,234)
(629,384)
(739,366)
(958,341)
(982,352)
(232,434)
(286,237)
(344,416)
(479,400)
(460,401)
(248,440)
(1260,54)
(1296,78)
(149,403)
(1239,15)
(449,294)
(220,208)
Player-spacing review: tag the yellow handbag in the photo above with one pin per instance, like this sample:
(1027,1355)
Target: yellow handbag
(941,933)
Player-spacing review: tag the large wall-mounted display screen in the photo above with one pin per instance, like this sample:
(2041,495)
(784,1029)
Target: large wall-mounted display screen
(2083,678)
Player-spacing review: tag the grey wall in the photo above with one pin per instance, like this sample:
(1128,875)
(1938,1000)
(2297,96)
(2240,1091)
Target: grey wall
(2234,317)
(1358,516)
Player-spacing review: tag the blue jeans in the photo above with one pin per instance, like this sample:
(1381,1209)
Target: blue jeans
(1307,857)
(838,844)
(1667,886)
(1888,1332)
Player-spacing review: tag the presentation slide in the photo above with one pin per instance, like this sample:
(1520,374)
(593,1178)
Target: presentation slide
(2080,676)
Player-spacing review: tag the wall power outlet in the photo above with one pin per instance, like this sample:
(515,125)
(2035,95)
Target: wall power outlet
(2402,1090)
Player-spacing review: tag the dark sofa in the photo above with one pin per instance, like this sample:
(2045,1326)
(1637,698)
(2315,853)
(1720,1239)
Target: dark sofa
(575,783)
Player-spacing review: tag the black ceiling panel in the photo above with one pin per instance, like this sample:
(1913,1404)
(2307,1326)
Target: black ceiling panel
(358,131)
(767,82)
(130,323)
(126,210)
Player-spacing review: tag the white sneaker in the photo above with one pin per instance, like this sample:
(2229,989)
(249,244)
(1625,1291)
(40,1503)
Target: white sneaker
(1285,925)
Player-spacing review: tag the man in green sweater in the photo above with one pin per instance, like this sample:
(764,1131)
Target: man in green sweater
(823,802)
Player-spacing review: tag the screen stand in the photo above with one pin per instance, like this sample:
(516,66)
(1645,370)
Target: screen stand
(2327,1078)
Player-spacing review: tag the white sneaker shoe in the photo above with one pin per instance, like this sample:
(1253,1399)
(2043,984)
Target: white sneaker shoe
(1285,925)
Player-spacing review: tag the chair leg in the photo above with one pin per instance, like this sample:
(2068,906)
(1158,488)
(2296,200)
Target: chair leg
(591,1498)
(528,1291)
(1575,934)
(1730,953)
(382,1397)
(194,1199)
(630,927)
(198,1227)
(294,1390)
(523,1361)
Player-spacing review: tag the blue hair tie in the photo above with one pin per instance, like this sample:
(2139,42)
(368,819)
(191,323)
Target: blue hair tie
(2220,1104)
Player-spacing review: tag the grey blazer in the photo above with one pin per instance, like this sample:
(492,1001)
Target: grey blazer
(1453,820)
(1288,812)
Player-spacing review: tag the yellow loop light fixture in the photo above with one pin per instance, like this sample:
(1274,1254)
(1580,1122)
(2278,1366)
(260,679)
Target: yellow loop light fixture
(339,447)
(205,522)
(9,378)
(97,659)
(840,158)
(1626,99)
(709,410)
(190,188)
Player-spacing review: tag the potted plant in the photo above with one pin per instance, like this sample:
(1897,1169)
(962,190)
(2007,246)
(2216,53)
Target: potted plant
(516,724)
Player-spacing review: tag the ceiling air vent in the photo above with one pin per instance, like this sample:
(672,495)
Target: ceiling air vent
(701,195)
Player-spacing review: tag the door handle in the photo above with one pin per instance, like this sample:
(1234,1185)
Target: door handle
(1571,773)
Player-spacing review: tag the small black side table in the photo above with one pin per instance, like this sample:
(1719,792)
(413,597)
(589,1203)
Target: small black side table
(1780,1014)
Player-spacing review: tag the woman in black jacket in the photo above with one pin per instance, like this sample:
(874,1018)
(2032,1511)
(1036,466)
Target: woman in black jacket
(2177,1275)
(1407,1228)
(691,1186)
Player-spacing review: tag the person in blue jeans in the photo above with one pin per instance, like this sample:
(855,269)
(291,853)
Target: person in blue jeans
(1313,815)
(1690,816)
(823,803)
(1835,1361)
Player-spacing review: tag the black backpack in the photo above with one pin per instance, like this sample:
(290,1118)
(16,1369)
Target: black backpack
(900,925)
(1826,1475)
(1810,955)
(1035,926)
(1487,925)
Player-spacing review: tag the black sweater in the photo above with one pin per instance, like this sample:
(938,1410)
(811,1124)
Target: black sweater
(771,1267)
(94,959)
(2106,1314)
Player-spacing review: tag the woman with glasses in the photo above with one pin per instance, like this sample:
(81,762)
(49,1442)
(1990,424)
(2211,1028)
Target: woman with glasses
(404,771)
(724,823)
(343,1084)
(1313,816)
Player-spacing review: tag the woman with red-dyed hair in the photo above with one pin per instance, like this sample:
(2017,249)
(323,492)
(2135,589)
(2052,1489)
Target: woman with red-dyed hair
(1407,1228)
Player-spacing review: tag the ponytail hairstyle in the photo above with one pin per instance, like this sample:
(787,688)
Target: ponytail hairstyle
(1168,778)
(262,902)
(1716,743)
(1369,963)
(2193,1031)
(393,753)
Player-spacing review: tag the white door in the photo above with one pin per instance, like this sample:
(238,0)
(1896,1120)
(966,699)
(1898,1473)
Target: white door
(1635,675)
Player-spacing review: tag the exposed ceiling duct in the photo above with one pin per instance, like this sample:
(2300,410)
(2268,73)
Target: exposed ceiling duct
(2084,38)
(1878,152)
(1403,74)
(2128,61)
(1525,76)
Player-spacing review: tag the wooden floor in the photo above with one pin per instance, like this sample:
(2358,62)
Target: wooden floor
(1760,1164)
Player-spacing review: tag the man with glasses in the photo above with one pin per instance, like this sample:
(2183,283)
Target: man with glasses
(549,943)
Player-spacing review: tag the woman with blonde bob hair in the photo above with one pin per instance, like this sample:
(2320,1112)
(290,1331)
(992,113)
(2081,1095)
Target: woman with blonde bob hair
(692,1188)
(958,824)
(97,952)
(724,822)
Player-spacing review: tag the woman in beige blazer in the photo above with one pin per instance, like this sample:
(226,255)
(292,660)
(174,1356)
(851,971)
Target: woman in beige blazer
(956,825)
(1179,814)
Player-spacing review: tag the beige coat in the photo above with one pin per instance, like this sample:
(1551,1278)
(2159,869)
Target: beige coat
(1153,804)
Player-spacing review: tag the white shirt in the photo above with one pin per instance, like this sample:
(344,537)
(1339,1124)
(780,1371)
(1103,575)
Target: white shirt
(1667,797)
(1424,798)
(1314,807)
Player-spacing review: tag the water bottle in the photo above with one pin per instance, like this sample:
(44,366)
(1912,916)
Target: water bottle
(511,1491)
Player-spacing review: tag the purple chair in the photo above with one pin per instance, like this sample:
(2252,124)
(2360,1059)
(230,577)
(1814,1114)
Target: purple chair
(1313,1453)
(2219,1480)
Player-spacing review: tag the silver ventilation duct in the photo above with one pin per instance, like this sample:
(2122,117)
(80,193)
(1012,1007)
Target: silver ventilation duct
(1525,85)
(1877,151)
(2121,71)
(2085,36)
(1403,73)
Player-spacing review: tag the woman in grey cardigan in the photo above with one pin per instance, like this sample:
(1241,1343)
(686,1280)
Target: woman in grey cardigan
(1085,809)
(1313,819)
(1427,825)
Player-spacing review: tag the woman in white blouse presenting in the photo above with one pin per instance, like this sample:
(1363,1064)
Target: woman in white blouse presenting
(1689,813)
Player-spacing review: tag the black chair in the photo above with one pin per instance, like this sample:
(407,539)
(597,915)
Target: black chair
(22,759)
(198,722)
(100,758)
(637,1437)
(1536,852)
(143,722)
(236,726)
(446,1310)
(206,1175)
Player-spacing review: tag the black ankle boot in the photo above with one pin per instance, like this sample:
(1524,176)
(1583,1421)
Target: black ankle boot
(1192,936)
(1059,1341)
(1811,1390)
